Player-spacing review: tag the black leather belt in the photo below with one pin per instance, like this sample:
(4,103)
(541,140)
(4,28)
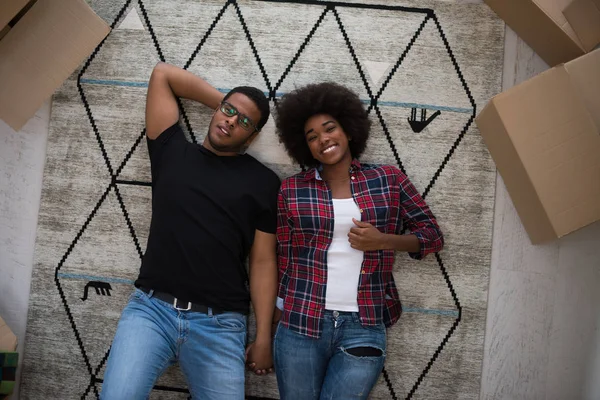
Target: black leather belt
(179,304)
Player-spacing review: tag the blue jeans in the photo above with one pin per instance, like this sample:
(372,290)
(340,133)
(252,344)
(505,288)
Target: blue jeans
(152,335)
(326,368)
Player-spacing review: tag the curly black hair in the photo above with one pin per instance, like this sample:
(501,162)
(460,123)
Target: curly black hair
(296,107)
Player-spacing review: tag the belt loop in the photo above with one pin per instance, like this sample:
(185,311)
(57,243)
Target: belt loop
(210,312)
(151,292)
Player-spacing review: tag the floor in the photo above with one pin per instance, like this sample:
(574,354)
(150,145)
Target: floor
(542,337)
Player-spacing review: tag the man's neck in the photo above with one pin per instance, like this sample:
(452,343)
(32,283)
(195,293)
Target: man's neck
(207,146)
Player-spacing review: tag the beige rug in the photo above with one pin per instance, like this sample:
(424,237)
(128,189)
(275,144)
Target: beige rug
(424,68)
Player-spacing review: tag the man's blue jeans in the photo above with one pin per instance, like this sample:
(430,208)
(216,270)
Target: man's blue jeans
(152,335)
(325,368)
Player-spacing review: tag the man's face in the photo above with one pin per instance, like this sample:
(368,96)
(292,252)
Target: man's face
(226,136)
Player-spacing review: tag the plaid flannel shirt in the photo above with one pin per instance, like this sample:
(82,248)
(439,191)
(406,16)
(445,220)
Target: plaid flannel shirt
(387,200)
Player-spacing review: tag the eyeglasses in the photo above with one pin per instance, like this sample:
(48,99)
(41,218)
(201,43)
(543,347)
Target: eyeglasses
(243,120)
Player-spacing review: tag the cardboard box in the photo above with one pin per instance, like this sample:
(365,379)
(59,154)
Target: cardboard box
(544,136)
(40,50)
(558,30)
(10,9)
(8,340)
(584,17)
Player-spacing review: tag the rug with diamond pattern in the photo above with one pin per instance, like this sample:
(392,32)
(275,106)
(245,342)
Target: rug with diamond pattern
(423,69)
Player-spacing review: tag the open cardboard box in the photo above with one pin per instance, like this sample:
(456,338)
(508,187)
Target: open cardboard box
(41,43)
(558,30)
(544,136)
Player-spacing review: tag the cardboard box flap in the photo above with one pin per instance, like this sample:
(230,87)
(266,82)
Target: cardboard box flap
(8,340)
(542,26)
(546,146)
(41,51)
(522,192)
(554,10)
(9,9)
(585,77)
(584,18)
(558,142)
(4,31)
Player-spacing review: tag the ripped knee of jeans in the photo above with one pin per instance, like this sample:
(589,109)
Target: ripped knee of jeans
(364,352)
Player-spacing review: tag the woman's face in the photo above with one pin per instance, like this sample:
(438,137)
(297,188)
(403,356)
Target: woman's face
(326,140)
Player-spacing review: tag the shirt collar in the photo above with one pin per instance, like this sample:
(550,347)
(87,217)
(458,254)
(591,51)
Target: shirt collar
(314,173)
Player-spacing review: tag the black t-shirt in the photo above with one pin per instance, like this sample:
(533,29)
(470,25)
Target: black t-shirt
(205,210)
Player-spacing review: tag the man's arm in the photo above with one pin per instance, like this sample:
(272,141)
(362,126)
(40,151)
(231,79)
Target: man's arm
(263,289)
(168,82)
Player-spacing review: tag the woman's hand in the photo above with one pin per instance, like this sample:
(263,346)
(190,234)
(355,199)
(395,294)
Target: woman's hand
(366,237)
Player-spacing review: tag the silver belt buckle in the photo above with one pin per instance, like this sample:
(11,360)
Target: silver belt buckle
(189,305)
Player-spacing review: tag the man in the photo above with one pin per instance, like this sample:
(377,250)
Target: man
(211,208)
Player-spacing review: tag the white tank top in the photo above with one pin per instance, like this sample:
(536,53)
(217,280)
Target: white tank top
(343,262)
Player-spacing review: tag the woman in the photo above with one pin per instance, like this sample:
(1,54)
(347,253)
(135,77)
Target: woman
(339,224)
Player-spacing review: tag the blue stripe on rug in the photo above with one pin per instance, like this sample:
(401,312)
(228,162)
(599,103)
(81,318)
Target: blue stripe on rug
(426,106)
(114,83)
(279,94)
(430,311)
(95,278)
(450,313)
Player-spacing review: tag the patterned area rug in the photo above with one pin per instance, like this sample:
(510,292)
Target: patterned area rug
(423,68)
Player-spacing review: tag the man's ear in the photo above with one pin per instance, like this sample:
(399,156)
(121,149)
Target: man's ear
(249,141)
(252,137)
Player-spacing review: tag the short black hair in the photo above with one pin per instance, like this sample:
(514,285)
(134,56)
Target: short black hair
(296,107)
(258,97)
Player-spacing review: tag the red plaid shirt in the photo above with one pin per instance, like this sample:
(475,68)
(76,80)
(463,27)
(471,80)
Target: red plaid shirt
(387,200)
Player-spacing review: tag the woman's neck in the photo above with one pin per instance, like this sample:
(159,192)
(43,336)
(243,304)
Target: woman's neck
(336,172)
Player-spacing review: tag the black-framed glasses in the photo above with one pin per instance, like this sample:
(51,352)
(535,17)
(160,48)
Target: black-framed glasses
(243,120)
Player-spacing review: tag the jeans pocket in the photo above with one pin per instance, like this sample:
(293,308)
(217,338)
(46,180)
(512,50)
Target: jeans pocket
(379,328)
(276,327)
(232,321)
(137,295)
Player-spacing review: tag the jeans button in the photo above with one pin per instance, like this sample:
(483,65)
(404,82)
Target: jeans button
(336,314)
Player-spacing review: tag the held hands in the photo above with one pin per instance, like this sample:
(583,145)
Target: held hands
(259,358)
(366,237)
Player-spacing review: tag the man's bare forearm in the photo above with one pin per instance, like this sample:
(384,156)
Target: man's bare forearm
(263,290)
(189,86)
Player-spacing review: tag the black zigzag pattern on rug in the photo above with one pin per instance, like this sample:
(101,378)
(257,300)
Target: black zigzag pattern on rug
(328,7)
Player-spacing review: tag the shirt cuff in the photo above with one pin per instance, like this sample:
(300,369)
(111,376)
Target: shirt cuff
(422,243)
